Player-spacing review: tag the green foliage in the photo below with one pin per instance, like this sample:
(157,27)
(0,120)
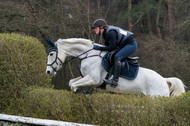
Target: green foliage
(138,10)
(22,64)
(104,109)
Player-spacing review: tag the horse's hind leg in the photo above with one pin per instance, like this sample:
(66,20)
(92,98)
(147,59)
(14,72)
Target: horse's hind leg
(85,81)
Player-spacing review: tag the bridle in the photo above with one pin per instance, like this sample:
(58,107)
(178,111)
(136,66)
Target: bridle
(62,63)
(55,61)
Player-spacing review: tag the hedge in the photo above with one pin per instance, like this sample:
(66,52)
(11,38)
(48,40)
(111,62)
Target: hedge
(104,108)
(22,64)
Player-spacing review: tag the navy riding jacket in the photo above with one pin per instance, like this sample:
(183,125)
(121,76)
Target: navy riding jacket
(114,36)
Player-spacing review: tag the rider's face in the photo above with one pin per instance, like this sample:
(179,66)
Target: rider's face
(97,30)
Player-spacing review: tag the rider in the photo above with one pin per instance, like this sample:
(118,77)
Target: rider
(117,39)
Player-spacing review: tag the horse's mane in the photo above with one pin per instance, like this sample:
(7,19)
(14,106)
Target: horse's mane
(74,46)
(82,41)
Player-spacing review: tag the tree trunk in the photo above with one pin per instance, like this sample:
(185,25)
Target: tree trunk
(149,23)
(99,8)
(166,29)
(149,20)
(170,17)
(157,22)
(130,25)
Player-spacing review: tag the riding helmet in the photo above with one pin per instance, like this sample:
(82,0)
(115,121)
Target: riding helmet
(98,23)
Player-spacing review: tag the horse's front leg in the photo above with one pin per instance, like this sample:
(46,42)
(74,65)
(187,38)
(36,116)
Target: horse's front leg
(74,80)
(85,81)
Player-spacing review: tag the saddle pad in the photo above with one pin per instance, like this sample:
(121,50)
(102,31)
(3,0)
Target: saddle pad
(129,71)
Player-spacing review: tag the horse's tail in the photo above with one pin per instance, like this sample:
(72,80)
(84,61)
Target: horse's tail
(176,86)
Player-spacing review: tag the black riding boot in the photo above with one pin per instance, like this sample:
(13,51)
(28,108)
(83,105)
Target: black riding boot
(117,70)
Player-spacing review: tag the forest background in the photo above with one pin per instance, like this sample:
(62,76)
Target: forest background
(161,28)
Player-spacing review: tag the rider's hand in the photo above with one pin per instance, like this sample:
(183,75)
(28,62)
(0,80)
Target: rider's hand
(96,47)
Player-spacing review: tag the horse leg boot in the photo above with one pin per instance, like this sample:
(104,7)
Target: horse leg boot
(117,70)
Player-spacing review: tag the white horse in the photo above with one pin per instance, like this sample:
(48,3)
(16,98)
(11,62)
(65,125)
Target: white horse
(147,81)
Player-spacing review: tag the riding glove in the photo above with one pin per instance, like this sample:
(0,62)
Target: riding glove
(96,47)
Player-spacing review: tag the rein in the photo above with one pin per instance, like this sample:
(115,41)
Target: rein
(76,57)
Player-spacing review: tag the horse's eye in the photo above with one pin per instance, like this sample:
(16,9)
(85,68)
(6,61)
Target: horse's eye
(51,54)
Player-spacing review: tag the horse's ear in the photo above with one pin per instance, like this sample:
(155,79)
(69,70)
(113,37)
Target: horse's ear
(50,42)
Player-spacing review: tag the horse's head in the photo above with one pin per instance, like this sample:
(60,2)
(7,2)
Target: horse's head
(55,58)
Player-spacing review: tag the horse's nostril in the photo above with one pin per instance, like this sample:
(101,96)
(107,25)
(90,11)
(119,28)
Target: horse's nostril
(48,72)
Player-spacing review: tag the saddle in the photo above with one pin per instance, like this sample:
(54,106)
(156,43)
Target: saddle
(130,66)
(130,60)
